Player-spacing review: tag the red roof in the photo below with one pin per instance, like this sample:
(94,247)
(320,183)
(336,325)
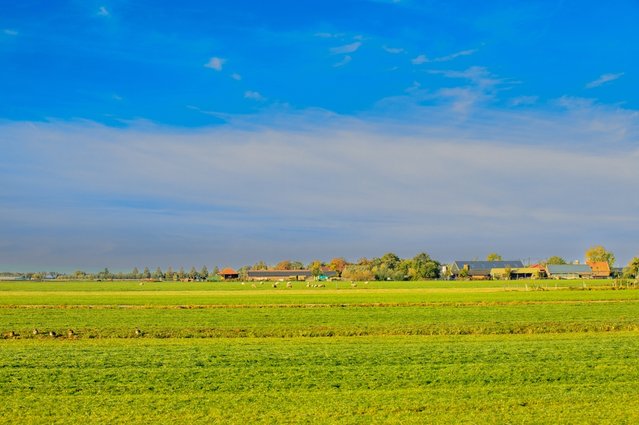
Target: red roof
(228,270)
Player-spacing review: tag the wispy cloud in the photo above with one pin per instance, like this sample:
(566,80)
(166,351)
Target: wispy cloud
(347,48)
(603,79)
(254,95)
(393,50)
(420,59)
(215,63)
(345,60)
(524,100)
(329,35)
(478,75)
(103,11)
(226,213)
(10,32)
(236,76)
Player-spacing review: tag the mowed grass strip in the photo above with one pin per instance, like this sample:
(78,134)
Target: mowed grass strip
(574,378)
(347,320)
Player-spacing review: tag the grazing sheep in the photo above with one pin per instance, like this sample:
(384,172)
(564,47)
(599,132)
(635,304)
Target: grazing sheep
(308,284)
(253,285)
(70,333)
(289,285)
(275,285)
(35,331)
(321,285)
(11,334)
(53,334)
(141,283)
(138,332)
(353,285)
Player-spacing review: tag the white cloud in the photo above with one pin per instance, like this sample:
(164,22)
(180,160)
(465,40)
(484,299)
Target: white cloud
(102,11)
(215,63)
(345,60)
(478,75)
(254,95)
(419,60)
(347,48)
(423,59)
(10,32)
(431,183)
(393,50)
(236,76)
(329,35)
(524,100)
(603,79)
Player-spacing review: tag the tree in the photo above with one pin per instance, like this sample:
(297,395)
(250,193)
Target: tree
(337,265)
(283,265)
(493,256)
(357,272)
(204,273)
(135,273)
(297,265)
(632,270)
(169,273)
(315,267)
(260,265)
(157,274)
(599,253)
(146,274)
(555,260)
(193,273)
(425,267)
(181,274)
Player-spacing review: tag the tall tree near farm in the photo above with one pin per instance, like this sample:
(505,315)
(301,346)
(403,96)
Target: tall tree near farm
(599,253)
(493,256)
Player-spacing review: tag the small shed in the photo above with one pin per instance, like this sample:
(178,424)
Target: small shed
(229,273)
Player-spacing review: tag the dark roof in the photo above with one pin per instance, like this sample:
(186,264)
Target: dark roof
(286,273)
(486,265)
(568,268)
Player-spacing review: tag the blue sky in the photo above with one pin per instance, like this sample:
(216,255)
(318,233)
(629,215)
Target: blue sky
(223,133)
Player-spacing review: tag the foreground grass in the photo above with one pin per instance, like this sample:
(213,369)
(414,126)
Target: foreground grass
(433,352)
(499,379)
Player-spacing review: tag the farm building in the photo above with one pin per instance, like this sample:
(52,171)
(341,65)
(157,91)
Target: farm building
(288,274)
(569,271)
(481,269)
(229,273)
(517,273)
(600,269)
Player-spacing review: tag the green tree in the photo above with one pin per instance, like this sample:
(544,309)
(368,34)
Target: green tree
(260,265)
(157,274)
(204,273)
(135,273)
(181,274)
(193,273)
(425,267)
(358,272)
(493,256)
(315,267)
(632,270)
(146,274)
(283,265)
(599,253)
(555,260)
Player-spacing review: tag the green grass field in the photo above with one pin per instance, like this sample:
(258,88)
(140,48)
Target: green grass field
(389,352)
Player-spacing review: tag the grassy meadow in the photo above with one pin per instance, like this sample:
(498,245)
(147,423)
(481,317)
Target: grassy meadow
(382,352)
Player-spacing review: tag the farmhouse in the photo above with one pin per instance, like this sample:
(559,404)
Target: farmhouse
(288,274)
(229,273)
(481,269)
(569,271)
(600,269)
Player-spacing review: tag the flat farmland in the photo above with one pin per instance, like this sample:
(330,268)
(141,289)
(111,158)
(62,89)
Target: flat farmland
(391,352)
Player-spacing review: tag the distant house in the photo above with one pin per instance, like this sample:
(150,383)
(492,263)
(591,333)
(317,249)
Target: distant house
(600,269)
(288,274)
(569,271)
(229,273)
(481,269)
